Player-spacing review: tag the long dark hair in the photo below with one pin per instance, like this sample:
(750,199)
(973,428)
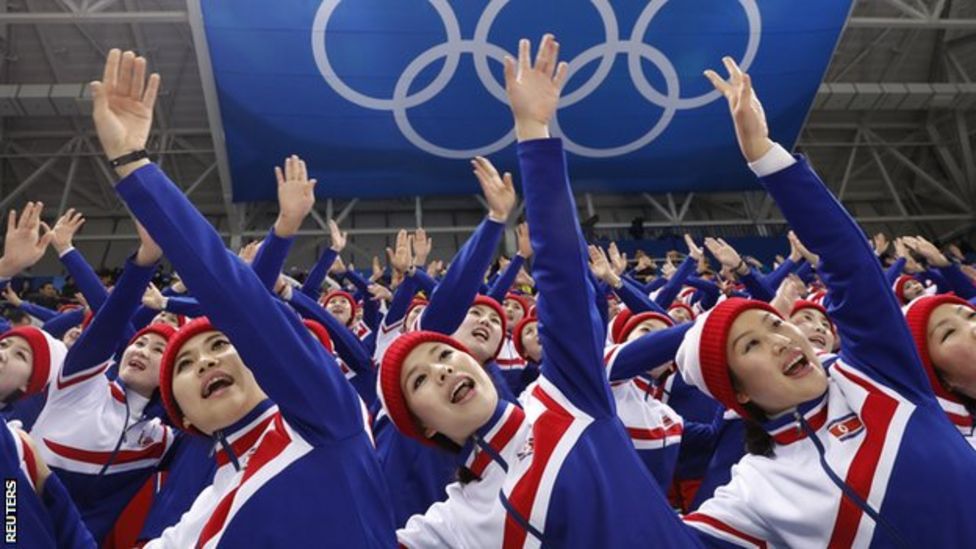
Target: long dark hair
(463,474)
(758,441)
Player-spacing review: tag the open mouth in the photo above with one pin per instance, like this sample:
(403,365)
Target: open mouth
(216,385)
(819,340)
(463,390)
(136,365)
(797,366)
(481,333)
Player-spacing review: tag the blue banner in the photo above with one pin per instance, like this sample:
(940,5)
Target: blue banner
(391,97)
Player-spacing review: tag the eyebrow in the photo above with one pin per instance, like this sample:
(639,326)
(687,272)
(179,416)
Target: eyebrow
(735,342)
(938,325)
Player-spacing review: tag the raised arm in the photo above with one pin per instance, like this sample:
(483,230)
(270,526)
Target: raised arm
(85,277)
(952,276)
(291,367)
(23,245)
(450,301)
(570,329)
(672,287)
(629,360)
(59,324)
(872,328)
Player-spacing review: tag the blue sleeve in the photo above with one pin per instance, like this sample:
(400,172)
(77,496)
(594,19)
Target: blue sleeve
(313,283)
(143,316)
(5,326)
(290,366)
(452,298)
(60,324)
(672,287)
(270,258)
(424,282)
(806,274)
(85,278)
(779,274)
(347,345)
(402,297)
(69,529)
(957,281)
(37,311)
(654,285)
(894,271)
(504,281)
(872,329)
(709,291)
(186,306)
(570,329)
(602,289)
(99,341)
(645,353)
(635,299)
(756,288)
(371,307)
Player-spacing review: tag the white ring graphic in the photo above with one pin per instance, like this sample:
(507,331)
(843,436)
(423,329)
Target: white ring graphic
(480,49)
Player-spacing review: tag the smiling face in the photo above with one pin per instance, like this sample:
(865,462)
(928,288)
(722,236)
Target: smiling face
(530,342)
(340,308)
(772,363)
(951,337)
(913,289)
(481,332)
(513,311)
(816,328)
(447,391)
(139,368)
(16,365)
(211,384)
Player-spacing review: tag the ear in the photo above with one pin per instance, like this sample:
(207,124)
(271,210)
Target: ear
(429,433)
(186,424)
(742,398)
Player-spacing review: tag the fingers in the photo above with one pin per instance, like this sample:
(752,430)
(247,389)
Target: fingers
(562,71)
(152,90)
(124,84)
(720,84)
(545,58)
(138,78)
(735,74)
(279,175)
(111,73)
(507,182)
(510,71)
(11,221)
(523,56)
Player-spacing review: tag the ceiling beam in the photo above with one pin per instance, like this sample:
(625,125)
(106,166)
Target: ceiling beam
(93,18)
(910,23)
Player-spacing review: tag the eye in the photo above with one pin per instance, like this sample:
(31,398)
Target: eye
(418,381)
(749,346)
(777,323)
(971,315)
(22,355)
(946,335)
(445,354)
(183,364)
(219,344)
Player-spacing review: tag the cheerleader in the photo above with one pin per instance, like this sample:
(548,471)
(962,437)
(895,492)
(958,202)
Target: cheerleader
(216,379)
(563,472)
(838,461)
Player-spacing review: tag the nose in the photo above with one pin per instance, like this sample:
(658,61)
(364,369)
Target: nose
(484,321)
(779,343)
(206,363)
(443,371)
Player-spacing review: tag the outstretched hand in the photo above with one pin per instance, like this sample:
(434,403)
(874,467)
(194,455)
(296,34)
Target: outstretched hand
(422,245)
(65,229)
(617,260)
(747,112)
(339,238)
(296,196)
(498,190)
(123,102)
(153,298)
(24,244)
(726,255)
(524,241)
(533,89)
(401,258)
(694,251)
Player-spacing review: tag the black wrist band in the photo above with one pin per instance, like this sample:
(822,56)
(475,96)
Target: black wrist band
(128,158)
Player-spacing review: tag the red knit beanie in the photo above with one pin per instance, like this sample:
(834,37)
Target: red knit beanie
(416,302)
(320,333)
(917,316)
(388,386)
(164,331)
(167,367)
(353,306)
(702,357)
(618,323)
(635,321)
(48,354)
(517,335)
(899,287)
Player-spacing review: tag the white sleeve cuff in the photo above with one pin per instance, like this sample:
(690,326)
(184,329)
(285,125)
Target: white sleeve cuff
(4,280)
(70,249)
(775,160)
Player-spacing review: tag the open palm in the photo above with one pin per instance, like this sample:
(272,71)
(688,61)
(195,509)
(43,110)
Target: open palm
(123,103)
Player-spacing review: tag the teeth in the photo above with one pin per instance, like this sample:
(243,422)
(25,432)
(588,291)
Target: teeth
(795,365)
(460,390)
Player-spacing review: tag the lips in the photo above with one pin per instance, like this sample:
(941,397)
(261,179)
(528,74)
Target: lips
(136,364)
(819,340)
(797,364)
(481,333)
(463,390)
(214,384)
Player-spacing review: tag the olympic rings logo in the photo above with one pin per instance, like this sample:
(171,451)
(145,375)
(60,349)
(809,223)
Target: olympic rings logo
(670,100)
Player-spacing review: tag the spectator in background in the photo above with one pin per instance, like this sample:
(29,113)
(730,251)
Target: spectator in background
(46,296)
